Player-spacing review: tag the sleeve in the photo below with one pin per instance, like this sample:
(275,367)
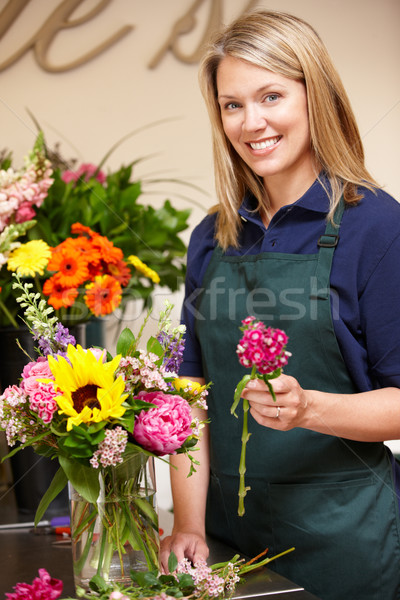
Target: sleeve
(200,250)
(380,317)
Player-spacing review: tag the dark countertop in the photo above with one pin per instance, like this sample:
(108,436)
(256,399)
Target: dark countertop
(24,551)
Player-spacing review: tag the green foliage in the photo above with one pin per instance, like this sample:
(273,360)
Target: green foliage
(56,486)
(85,480)
(114,211)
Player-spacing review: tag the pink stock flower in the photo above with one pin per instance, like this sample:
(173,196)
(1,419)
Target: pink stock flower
(262,347)
(43,587)
(24,213)
(164,428)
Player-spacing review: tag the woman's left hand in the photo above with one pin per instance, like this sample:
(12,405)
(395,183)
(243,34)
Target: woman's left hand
(287,412)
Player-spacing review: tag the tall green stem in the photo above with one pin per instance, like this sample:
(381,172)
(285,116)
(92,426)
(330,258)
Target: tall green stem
(245,438)
(8,315)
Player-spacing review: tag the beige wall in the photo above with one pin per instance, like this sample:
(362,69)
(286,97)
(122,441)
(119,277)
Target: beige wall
(91,107)
(96,104)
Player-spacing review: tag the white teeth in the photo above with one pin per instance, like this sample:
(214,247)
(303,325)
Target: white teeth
(264,144)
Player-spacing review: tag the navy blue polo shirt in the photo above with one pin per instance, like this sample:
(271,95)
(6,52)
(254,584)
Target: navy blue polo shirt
(365,275)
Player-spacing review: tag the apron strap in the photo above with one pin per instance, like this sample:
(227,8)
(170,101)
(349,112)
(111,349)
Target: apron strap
(320,288)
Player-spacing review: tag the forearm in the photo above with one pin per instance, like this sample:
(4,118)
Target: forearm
(190,493)
(368,417)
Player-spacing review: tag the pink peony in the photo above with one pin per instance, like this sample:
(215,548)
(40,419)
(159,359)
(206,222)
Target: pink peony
(43,587)
(164,428)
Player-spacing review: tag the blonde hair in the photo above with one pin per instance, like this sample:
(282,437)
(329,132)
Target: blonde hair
(287,45)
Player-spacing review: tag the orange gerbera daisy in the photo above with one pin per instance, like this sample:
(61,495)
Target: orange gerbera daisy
(70,265)
(120,271)
(83,245)
(103,295)
(109,252)
(78,228)
(59,296)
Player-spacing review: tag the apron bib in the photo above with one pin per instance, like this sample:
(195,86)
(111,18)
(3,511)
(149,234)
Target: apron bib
(331,498)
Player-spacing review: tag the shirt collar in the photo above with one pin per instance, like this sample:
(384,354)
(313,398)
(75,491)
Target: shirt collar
(316,199)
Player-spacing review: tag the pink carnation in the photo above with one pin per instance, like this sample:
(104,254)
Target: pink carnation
(43,587)
(262,347)
(164,428)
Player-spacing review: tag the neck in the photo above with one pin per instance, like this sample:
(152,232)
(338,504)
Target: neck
(282,189)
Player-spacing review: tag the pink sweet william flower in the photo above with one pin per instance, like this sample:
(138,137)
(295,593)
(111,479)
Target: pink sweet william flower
(43,587)
(262,347)
(164,428)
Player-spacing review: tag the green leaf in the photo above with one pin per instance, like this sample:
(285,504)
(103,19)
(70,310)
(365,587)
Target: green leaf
(185,580)
(85,480)
(145,578)
(97,584)
(56,486)
(126,342)
(238,393)
(172,562)
(153,345)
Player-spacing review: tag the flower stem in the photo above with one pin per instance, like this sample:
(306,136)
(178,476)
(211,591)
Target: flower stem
(245,438)
(242,465)
(8,314)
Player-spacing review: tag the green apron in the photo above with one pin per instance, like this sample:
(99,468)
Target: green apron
(331,498)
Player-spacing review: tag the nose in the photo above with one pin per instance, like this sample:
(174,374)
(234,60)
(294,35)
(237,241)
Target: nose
(254,118)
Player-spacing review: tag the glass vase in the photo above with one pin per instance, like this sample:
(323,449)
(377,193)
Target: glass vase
(119,532)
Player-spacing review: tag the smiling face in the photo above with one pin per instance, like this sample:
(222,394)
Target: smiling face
(265,117)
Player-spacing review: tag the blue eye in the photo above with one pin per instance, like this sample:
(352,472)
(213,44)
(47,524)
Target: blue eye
(231,105)
(272,97)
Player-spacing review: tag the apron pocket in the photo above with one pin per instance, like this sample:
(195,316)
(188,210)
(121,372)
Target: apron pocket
(337,529)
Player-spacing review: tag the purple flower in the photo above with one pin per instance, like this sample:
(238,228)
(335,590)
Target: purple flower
(164,428)
(54,342)
(173,347)
(63,337)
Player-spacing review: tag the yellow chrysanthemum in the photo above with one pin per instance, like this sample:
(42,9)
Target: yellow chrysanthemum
(88,389)
(29,259)
(192,387)
(144,269)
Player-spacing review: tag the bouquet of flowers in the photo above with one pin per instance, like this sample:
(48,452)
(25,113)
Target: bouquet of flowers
(103,419)
(123,250)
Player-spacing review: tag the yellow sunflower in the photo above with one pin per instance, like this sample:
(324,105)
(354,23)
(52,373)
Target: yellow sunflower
(29,259)
(88,389)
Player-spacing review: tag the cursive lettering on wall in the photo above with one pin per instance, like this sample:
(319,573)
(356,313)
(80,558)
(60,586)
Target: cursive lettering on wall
(185,25)
(58,20)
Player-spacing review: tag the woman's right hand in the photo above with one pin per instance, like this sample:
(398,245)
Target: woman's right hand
(183,545)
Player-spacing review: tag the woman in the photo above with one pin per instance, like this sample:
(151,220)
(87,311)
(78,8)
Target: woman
(304,240)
